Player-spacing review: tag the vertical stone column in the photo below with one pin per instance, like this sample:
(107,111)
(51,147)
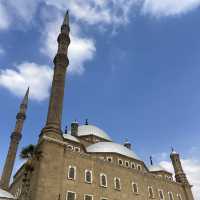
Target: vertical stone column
(54,117)
(180,174)
(48,171)
(15,139)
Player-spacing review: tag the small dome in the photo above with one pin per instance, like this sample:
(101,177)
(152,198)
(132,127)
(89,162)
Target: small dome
(5,195)
(110,147)
(156,168)
(70,137)
(84,130)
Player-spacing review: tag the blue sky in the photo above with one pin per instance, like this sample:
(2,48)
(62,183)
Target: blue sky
(134,72)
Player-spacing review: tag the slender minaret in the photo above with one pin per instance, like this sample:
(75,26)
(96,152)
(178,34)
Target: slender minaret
(54,117)
(180,174)
(15,138)
(49,170)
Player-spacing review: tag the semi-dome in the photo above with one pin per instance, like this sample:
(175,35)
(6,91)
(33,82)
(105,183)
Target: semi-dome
(84,130)
(110,147)
(70,137)
(5,195)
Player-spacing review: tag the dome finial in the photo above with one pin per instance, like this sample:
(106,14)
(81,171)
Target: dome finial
(66,129)
(151,160)
(86,122)
(127,144)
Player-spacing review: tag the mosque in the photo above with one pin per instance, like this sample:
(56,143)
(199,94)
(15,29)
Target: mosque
(83,163)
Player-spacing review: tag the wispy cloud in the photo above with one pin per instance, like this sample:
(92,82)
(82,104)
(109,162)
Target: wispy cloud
(99,11)
(38,77)
(166,8)
(23,9)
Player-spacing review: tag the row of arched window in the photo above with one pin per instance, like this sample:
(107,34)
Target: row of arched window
(103,179)
(117,184)
(72,196)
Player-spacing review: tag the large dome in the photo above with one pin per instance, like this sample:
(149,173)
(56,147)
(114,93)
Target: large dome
(84,130)
(110,147)
(5,195)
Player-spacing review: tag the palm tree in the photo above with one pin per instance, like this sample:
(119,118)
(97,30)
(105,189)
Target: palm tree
(29,153)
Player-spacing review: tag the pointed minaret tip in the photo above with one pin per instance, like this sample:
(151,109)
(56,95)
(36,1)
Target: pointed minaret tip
(25,100)
(66,18)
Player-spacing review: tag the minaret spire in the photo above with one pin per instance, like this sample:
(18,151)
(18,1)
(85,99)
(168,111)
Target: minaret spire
(15,139)
(54,117)
(66,18)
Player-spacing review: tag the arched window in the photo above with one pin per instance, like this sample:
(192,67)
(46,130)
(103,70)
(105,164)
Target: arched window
(139,167)
(88,176)
(126,163)
(72,172)
(103,180)
(120,162)
(151,195)
(170,196)
(117,183)
(133,165)
(135,187)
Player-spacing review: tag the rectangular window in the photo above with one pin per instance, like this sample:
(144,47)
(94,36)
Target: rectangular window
(72,172)
(88,197)
(103,180)
(135,187)
(117,183)
(71,195)
(88,176)
(161,195)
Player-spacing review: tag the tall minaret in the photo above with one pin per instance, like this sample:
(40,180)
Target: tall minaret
(180,175)
(54,118)
(15,138)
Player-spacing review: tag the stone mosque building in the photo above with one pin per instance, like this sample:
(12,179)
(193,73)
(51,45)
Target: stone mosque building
(83,163)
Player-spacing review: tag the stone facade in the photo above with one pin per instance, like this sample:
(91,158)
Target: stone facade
(50,176)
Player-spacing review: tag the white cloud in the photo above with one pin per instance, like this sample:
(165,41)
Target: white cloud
(81,49)
(100,11)
(160,8)
(23,8)
(38,77)
(192,170)
(4,18)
